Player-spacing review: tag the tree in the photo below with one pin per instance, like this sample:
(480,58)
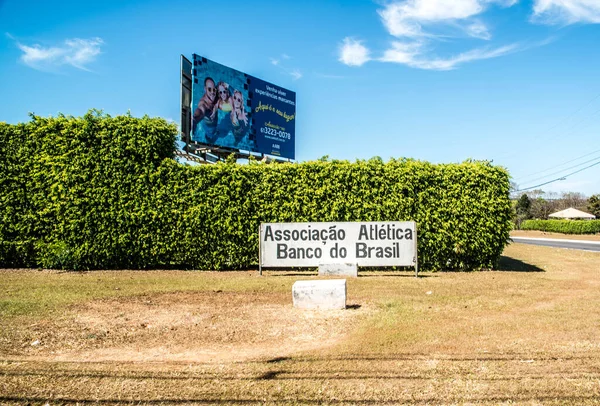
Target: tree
(573,199)
(540,208)
(523,205)
(593,205)
(541,203)
(522,209)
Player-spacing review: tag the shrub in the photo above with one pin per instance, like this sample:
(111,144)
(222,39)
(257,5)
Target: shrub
(563,226)
(104,192)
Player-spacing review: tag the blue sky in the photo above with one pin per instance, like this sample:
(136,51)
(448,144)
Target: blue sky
(515,82)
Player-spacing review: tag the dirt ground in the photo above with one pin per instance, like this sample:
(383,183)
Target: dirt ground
(184,326)
(526,334)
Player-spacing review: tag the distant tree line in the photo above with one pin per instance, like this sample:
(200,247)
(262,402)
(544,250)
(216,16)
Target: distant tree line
(537,204)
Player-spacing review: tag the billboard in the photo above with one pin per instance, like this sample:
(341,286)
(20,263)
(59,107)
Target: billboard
(233,110)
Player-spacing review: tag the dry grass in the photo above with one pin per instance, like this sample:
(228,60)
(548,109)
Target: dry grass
(526,334)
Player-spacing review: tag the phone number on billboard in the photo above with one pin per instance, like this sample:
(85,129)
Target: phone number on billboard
(281,134)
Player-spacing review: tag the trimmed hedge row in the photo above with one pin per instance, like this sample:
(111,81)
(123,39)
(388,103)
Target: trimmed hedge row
(73,190)
(563,226)
(102,192)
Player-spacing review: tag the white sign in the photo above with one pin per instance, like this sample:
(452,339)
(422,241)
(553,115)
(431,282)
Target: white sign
(379,243)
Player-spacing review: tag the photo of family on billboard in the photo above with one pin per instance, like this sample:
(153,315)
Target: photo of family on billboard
(219,115)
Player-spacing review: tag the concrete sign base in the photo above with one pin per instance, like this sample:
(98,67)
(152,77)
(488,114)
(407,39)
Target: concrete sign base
(320,294)
(338,269)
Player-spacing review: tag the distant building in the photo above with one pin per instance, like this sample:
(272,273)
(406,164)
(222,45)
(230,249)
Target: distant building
(572,214)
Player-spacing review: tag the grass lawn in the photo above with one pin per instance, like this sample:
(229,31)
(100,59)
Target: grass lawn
(527,333)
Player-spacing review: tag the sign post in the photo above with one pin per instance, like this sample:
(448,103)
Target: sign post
(259,251)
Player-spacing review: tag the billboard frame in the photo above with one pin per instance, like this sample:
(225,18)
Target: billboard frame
(185,89)
(212,153)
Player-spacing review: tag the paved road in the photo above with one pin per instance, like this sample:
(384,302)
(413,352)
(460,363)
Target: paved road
(551,242)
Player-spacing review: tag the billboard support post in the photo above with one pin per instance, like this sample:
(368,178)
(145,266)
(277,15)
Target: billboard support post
(185,99)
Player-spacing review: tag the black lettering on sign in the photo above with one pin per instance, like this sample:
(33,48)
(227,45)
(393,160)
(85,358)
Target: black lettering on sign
(268,233)
(282,251)
(362,235)
(361,250)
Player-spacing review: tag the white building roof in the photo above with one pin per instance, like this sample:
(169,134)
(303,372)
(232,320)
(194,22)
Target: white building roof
(572,213)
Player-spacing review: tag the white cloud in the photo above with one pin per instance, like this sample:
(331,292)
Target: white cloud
(296,74)
(278,61)
(404,53)
(75,52)
(419,18)
(503,3)
(82,51)
(566,11)
(353,53)
(478,30)
(281,64)
(420,26)
(414,55)
(36,54)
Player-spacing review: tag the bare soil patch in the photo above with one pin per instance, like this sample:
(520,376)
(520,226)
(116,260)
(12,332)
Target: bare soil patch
(186,326)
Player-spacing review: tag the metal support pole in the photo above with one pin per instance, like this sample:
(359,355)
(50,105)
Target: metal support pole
(416,254)
(259,251)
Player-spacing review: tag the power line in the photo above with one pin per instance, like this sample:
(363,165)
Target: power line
(565,169)
(572,114)
(573,128)
(564,163)
(544,134)
(557,179)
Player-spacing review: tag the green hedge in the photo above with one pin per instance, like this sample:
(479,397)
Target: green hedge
(105,192)
(563,226)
